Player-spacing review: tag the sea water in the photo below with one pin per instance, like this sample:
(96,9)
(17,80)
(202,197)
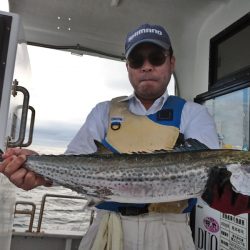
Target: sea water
(60,214)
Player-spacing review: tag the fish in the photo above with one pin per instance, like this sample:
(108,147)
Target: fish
(141,177)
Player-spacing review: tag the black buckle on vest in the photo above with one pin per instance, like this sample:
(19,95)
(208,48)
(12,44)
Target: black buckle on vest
(133,211)
(165,115)
(115,125)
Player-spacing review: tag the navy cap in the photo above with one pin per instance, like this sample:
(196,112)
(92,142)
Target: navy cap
(147,33)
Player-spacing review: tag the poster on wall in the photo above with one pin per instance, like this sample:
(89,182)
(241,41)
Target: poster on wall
(220,231)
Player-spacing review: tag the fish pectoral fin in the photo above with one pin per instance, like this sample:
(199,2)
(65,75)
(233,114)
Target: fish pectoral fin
(101,149)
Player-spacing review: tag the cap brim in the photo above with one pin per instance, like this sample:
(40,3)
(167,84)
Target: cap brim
(159,43)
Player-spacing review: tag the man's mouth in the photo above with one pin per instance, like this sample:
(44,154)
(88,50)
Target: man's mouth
(145,79)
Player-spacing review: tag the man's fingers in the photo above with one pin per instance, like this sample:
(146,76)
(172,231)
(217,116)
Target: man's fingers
(29,181)
(13,159)
(6,163)
(17,151)
(13,167)
(18,177)
(15,163)
(11,151)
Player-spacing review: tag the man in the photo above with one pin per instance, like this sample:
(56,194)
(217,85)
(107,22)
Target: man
(147,120)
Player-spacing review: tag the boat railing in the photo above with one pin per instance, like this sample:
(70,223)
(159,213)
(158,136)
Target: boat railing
(31,212)
(57,196)
(26,211)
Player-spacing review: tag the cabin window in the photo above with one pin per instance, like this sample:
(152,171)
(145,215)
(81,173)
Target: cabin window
(230,55)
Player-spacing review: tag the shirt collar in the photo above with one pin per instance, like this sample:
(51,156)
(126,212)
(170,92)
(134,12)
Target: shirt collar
(161,100)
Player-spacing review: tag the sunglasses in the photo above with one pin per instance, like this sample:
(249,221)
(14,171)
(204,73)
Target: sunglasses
(156,58)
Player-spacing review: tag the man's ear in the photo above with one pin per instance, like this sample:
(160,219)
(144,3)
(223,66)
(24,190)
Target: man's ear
(172,63)
(127,65)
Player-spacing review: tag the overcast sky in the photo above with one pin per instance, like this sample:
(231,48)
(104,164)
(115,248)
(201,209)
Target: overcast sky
(4,5)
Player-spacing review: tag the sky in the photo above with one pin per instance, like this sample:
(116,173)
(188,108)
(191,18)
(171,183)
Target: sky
(4,5)
(63,90)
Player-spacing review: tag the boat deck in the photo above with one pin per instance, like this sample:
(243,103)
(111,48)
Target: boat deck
(49,241)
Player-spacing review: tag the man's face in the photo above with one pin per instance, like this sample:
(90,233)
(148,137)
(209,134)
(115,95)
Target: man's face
(148,80)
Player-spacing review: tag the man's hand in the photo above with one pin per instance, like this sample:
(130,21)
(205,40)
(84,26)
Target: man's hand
(13,167)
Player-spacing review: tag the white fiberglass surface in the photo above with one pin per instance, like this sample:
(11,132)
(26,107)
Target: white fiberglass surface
(7,201)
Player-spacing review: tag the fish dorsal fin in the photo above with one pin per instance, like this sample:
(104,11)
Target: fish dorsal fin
(190,144)
(101,149)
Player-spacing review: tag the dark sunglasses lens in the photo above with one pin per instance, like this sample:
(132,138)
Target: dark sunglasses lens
(135,61)
(157,58)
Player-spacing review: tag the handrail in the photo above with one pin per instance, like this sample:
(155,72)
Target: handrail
(31,129)
(55,196)
(25,106)
(30,212)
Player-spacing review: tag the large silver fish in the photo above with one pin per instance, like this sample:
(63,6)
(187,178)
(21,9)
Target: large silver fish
(142,178)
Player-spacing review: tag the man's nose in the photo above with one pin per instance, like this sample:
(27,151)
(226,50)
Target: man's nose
(147,66)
